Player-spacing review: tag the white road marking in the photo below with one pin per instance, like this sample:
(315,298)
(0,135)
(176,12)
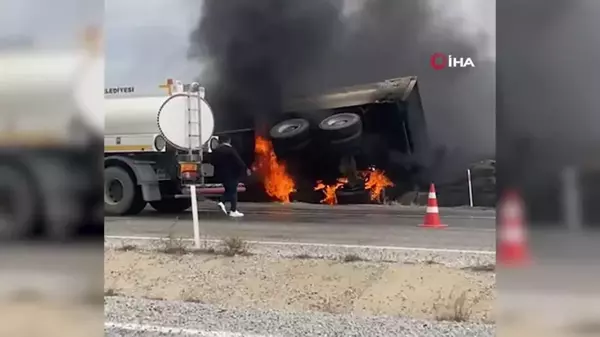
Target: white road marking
(324,245)
(167,330)
(251,213)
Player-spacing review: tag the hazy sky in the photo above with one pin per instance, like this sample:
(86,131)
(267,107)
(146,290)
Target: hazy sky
(147,40)
(47,24)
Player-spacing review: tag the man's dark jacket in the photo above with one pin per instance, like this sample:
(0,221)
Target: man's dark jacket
(228,164)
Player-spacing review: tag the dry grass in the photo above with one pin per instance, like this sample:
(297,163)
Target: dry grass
(325,304)
(488,268)
(154,298)
(108,292)
(352,258)
(234,246)
(431,261)
(187,295)
(173,245)
(126,247)
(455,308)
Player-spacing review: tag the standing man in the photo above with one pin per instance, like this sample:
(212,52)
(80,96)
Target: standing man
(229,169)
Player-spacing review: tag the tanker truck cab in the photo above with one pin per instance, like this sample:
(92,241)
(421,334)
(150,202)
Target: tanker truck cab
(155,148)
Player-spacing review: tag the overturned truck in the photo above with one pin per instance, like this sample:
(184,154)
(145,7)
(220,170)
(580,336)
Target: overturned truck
(339,134)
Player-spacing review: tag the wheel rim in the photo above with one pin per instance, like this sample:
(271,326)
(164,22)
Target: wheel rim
(338,122)
(287,128)
(113,192)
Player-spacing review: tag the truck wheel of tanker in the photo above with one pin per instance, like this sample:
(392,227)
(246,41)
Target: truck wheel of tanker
(170,206)
(347,145)
(19,204)
(340,126)
(121,194)
(291,134)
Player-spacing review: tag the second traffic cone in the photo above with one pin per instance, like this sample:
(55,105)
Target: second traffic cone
(513,250)
(432,215)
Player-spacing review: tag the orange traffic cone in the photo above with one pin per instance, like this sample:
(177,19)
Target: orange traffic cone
(513,247)
(432,216)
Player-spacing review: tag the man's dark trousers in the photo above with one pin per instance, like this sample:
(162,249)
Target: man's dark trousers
(230,194)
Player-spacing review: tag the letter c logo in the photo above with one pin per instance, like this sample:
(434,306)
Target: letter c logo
(438,61)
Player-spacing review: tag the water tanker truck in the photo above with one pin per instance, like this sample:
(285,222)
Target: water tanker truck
(50,132)
(155,148)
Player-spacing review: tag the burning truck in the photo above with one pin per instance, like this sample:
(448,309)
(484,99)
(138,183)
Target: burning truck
(352,143)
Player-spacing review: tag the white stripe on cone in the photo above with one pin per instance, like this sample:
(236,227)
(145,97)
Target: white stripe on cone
(432,209)
(432,195)
(513,234)
(512,210)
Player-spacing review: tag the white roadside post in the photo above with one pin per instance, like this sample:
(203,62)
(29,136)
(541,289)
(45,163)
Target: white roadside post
(195,90)
(470,187)
(196,222)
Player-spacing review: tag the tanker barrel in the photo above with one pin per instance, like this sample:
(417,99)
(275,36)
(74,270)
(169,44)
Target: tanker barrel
(46,92)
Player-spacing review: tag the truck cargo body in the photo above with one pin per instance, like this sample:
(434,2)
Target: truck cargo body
(391,135)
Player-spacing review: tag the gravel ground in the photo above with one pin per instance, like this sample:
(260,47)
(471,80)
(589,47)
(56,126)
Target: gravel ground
(449,258)
(426,291)
(292,290)
(205,320)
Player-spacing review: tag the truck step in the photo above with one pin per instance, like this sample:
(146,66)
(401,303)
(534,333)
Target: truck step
(211,189)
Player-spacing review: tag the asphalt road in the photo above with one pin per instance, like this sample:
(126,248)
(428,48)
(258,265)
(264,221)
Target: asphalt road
(468,229)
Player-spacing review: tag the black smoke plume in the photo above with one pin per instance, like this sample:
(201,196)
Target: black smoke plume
(262,50)
(259,50)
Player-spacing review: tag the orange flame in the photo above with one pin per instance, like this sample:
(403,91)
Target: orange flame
(330,190)
(277,182)
(376,182)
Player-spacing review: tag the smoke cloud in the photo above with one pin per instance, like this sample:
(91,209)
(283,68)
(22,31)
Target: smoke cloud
(259,51)
(548,99)
(262,50)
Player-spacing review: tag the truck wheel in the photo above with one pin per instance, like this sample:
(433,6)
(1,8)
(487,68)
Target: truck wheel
(347,145)
(170,206)
(18,204)
(121,195)
(291,134)
(341,126)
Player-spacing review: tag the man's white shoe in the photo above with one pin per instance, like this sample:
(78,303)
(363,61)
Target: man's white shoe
(222,207)
(236,214)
